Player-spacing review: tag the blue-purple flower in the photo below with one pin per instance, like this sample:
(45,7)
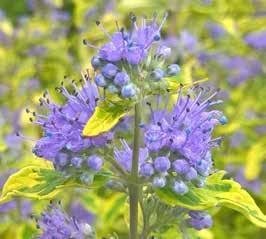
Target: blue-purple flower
(200,220)
(63,124)
(131,46)
(54,223)
(186,131)
(256,40)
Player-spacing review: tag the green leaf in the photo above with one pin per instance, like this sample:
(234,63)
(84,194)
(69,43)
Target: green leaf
(217,191)
(42,183)
(106,116)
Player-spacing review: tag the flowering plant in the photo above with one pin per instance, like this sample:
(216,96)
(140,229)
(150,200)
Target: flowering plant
(164,165)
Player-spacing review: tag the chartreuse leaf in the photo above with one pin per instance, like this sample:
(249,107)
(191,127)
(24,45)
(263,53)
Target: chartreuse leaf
(217,191)
(106,116)
(255,156)
(42,183)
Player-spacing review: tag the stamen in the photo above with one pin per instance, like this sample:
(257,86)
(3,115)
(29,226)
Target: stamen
(98,23)
(18,134)
(86,43)
(163,21)
(151,110)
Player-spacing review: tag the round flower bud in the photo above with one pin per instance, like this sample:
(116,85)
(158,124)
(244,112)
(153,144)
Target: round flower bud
(61,159)
(96,62)
(112,89)
(162,164)
(207,221)
(163,51)
(157,37)
(158,182)
(146,170)
(100,80)
(200,182)
(76,162)
(86,178)
(95,163)
(191,174)
(128,91)
(181,166)
(157,74)
(223,120)
(121,79)
(109,70)
(203,167)
(173,70)
(180,187)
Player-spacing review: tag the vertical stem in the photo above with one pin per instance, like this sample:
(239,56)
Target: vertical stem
(134,187)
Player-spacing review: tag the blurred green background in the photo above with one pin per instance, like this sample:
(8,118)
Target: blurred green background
(41,41)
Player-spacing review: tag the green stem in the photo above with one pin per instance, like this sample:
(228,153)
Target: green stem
(134,187)
(183,229)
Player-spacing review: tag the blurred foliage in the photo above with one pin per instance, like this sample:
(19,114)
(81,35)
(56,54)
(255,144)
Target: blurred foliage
(41,42)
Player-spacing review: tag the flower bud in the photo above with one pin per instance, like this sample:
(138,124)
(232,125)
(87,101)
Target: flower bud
(173,70)
(159,182)
(162,164)
(121,79)
(181,166)
(100,80)
(146,170)
(128,91)
(76,162)
(96,62)
(109,70)
(157,74)
(112,89)
(191,174)
(223,120)
(95,163)
(86,178)
(180,187)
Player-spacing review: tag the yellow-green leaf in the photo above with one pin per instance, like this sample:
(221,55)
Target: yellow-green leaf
(255,156)
(41,183)
(105,117)
(217,191)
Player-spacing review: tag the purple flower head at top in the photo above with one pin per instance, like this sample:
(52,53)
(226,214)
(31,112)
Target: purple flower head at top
(131,46)
(124,156)
(54,223)
(63,124)
(256,40)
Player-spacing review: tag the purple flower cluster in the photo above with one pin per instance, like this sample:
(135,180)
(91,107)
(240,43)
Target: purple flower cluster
(54,223)
(184,139)
(256,40)
(178,144)
(199,220)
(63,142)
(131,46)
(241,68)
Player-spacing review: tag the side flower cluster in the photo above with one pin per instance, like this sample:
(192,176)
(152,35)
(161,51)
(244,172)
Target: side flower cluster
(178,144)
(54,223)
(63,143)
(183,139)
